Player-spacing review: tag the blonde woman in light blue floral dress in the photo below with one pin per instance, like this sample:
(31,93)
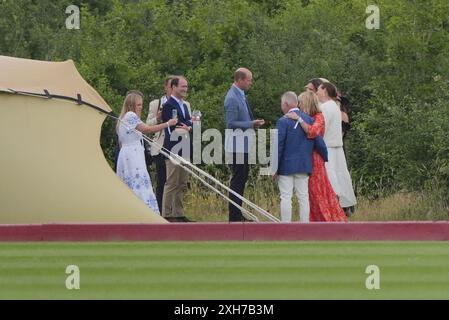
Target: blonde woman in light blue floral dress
(131,165)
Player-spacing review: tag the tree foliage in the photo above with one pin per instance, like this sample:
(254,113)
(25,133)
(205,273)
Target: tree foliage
(396,77)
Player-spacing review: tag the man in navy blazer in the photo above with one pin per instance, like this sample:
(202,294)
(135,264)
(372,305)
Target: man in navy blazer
(177,139)
(176,105)
(293,163)
(240,125)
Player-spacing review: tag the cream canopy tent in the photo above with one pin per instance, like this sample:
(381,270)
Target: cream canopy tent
(52,168)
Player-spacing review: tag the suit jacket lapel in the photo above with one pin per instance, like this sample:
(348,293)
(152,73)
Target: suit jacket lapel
(180,113)
(249,110)
(244,101)
(174,103)
(184,119)
(186,110)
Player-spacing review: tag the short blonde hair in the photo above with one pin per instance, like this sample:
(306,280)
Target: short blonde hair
(309,103)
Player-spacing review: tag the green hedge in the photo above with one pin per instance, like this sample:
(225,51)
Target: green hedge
(396,77)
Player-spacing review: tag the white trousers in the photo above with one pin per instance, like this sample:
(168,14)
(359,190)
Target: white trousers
(300,183)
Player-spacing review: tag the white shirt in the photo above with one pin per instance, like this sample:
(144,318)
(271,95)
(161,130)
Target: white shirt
(332,124)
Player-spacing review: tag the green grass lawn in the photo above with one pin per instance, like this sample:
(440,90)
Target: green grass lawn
(225,270)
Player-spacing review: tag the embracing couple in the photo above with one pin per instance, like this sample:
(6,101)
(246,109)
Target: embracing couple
(299,164)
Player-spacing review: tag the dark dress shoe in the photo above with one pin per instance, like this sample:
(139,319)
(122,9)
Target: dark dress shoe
(241,219)
(184,219)
(178,219)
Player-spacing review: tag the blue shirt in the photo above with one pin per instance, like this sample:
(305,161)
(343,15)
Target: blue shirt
(181,105)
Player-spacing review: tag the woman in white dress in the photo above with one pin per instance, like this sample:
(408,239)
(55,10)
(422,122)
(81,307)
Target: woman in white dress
(336,167)
(131,166)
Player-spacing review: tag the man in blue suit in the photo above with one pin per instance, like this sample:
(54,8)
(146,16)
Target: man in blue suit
(240,125)
(293,163)
(177,139)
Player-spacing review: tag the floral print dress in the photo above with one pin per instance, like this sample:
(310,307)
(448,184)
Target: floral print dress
(324,205)
(131,165)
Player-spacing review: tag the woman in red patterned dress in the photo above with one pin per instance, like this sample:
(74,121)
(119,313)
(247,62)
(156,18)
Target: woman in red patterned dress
(324,205)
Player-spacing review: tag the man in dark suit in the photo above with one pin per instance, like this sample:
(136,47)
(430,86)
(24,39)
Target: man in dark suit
(155,117)
(177,140)
(293,162)
(239,124)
